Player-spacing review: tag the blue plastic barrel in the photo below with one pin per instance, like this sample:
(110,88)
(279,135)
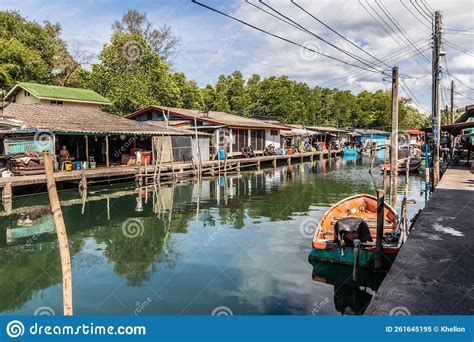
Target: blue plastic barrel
(77,165)
(221,154)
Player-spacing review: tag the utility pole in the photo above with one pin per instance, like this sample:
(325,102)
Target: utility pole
(394,140)
(451,120)
(437,27)
(452,102)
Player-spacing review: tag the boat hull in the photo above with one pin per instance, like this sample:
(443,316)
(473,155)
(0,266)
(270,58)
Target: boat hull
(366,257)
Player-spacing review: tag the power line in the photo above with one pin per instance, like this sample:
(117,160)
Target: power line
(283,38)
(457,47)
(413,14)
(271,14)
(340,35)
(397,25)
(304,29)
(452,76)
(413,97)
(467,33)
(429,19)
(397,55)
(431,9)
(342,80)
(427,12)
(459,30)
(462,95)
(383,27)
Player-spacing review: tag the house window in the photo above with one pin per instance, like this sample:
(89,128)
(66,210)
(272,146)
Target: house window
(239,139)
(273,132)
(27,93)
(56,103)
(257,139)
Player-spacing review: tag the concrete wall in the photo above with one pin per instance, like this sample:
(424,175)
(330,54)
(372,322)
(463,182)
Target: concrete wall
(22,99)
(272,139)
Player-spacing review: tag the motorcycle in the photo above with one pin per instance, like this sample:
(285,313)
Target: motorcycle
(269,150)
(248,152)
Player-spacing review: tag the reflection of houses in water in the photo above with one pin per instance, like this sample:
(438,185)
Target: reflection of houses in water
(31,226)
(349,298)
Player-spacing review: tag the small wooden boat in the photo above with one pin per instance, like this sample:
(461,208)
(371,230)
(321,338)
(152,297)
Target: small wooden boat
(414,165)
(333,244)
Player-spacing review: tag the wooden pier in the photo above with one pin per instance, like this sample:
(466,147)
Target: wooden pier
(432,274)
(166,170)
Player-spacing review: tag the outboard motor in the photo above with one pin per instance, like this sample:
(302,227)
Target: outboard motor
(349,229)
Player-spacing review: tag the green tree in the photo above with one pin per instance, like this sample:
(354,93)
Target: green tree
(162,40)
(37,51)
(132,76)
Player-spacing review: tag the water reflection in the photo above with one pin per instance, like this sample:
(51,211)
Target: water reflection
(230,241)
(349,298)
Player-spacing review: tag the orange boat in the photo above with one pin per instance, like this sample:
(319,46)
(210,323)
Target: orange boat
(353,218)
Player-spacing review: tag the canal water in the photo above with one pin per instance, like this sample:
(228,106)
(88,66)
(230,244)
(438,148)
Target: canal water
(234,245)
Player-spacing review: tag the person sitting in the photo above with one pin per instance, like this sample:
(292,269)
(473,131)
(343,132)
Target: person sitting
(64,156)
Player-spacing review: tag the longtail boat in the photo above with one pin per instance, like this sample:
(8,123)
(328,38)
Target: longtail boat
(414,165)
(355,218)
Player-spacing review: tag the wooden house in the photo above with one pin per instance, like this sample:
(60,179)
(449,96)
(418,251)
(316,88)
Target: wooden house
(35,93)
(91,135)
(232,133)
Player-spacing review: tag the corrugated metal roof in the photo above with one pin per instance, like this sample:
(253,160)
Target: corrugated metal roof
(220,118)
(327,129)
(44,91)
(71,119)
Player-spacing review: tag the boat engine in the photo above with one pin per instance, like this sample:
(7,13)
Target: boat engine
(349,229)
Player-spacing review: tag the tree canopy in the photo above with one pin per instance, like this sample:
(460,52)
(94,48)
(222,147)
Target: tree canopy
(161,40)
(32,52)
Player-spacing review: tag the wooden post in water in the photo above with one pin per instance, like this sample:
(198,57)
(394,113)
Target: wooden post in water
(61,233)
(380,222)
(107,161)
(394,140)
(7,192)
(87,147)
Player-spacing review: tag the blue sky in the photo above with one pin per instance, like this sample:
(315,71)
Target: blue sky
(212,44)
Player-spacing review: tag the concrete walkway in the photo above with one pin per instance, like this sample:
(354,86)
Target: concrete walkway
(434,271)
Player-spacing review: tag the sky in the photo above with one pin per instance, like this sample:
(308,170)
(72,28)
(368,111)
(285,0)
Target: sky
(212,44)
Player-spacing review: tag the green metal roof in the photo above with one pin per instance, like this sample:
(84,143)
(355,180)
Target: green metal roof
(63,93)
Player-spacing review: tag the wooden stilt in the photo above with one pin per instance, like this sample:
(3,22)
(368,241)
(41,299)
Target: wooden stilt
(87,147)
(107,160)
(7,192)
(380,222)
(61,233)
